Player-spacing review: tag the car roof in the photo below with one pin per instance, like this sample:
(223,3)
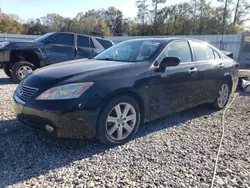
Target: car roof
(165,39)
(84,35)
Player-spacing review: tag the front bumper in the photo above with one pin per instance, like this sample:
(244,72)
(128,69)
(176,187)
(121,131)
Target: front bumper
(79,124)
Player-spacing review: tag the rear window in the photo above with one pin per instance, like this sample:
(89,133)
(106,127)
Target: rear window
(105,43)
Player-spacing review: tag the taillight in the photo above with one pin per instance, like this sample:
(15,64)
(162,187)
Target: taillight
(237,65)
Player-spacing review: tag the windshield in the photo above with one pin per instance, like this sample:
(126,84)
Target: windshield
(43,37)
(131,51)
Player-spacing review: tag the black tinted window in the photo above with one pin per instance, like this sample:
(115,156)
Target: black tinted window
(178,49)
(105,43)
(83,41)
(92,44)
(64,39)
(202,51)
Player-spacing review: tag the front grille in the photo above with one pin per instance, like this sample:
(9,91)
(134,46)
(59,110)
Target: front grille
(25,92)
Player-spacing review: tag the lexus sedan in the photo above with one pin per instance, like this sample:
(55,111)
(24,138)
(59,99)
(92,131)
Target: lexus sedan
(135,81)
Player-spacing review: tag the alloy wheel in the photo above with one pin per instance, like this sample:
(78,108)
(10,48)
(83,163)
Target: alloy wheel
(121,121)
(223,95)
(24,71)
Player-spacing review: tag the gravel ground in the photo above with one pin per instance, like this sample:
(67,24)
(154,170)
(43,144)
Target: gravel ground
(176,151)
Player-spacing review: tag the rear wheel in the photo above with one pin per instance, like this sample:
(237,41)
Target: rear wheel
(222,96)
(21,69)
(7,70)
(118,121)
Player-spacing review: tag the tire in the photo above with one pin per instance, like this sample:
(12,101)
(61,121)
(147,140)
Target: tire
(7,70)
(17,68)
(104,128)
(222,98)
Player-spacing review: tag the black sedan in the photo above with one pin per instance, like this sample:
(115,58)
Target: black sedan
(109,96)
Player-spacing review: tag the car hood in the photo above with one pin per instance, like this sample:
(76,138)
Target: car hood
(72,71)
(21,45)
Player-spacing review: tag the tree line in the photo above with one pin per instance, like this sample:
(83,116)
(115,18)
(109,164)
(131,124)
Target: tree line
(154,17)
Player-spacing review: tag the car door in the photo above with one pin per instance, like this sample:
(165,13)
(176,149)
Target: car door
(60,47)
(172,89)
(210,66)
(85,47)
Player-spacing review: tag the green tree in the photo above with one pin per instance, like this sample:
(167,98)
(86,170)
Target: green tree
(67,25)
(54,22)
(155,12)
(35,28)
(226,13)
(118,23)
(8,25)
(114,20)
(142,15)
(103,28)
(242,8)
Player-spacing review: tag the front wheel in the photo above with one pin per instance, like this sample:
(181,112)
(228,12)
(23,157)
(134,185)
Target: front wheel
(21,69)
(7,70)
(222,96)
(118,121)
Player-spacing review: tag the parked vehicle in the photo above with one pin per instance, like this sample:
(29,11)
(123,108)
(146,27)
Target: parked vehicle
(21,58)
(132,82)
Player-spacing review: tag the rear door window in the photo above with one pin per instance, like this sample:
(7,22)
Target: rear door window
(83,41)
(202,51)
(64,39)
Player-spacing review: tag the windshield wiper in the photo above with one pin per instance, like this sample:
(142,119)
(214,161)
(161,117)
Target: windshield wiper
(106,59)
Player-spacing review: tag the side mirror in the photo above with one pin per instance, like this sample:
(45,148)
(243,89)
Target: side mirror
(50,40)
(169,62)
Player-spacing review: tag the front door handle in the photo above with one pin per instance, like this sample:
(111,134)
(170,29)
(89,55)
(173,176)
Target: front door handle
(221,65)
(192,70)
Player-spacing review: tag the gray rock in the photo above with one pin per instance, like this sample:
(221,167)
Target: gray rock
(177,151)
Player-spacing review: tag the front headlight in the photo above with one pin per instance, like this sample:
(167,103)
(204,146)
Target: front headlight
(69,91)
(3,44)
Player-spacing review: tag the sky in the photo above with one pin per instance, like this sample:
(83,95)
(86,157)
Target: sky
(27,9)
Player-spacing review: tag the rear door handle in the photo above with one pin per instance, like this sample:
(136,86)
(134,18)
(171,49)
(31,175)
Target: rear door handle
(192,70)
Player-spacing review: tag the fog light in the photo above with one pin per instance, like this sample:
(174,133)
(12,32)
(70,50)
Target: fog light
(49,128)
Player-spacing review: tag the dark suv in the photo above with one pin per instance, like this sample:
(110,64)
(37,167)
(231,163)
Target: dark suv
(21,58)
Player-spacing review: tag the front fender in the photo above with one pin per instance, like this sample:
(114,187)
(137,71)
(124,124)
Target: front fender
(41,56)
(127,91)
